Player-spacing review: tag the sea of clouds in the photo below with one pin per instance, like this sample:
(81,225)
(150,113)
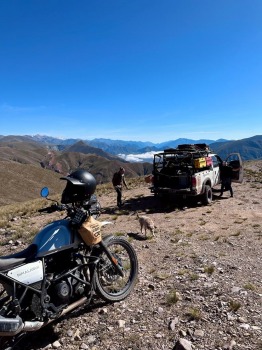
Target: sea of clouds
(142,157)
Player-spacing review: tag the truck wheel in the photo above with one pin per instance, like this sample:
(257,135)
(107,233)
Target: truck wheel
(207,196)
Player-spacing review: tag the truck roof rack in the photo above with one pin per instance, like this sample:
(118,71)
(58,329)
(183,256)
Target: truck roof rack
(198,147)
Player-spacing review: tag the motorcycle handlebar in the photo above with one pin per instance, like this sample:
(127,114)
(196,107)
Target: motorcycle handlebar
(60,207)
(53,208)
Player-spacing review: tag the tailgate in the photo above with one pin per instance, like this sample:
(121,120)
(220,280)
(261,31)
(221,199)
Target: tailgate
(181,181)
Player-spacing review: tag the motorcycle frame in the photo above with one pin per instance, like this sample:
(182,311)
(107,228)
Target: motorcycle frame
(87,261)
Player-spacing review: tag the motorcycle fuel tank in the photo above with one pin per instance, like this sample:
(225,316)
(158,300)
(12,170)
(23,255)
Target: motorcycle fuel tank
(53,236)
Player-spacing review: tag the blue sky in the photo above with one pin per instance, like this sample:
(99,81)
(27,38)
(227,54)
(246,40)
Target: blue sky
(145,70)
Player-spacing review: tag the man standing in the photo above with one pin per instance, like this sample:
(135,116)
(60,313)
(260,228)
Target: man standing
(118,180)
(226,178)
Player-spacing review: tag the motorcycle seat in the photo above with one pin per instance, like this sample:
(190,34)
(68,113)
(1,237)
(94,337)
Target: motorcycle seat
(12,260)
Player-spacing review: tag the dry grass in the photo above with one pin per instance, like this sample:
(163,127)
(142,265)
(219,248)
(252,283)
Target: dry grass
(234,305)
(194,314)
(172,297)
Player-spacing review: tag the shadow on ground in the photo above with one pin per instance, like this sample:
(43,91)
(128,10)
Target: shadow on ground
(47,335)
(152,204)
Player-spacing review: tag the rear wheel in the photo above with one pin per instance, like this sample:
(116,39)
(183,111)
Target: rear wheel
(109,284)
(208,195)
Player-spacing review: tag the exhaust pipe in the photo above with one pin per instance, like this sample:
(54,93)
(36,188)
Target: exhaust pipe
(30,326)
(69,308)
(11,326)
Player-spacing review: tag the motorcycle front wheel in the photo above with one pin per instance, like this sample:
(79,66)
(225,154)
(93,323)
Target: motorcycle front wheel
(109,284)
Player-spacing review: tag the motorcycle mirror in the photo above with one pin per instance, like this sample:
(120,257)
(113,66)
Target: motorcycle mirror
(44,192)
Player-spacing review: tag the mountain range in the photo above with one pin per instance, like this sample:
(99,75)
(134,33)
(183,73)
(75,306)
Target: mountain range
(115,147)
(249,148)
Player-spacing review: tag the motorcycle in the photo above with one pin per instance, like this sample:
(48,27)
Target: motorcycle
(59,272)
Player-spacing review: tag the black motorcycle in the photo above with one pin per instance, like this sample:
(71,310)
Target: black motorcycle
(64,268)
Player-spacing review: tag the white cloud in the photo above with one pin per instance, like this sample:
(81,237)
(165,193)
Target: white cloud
(142,157)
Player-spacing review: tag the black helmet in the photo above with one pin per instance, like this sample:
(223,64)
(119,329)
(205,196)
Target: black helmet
(80,186)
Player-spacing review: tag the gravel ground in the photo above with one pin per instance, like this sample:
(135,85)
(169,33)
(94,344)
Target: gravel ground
(200,277)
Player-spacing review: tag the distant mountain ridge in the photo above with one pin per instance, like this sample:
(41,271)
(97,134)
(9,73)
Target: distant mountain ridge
(115,147)
(82,147)
(249,148)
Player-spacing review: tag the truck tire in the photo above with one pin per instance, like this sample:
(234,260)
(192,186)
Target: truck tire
(207,195)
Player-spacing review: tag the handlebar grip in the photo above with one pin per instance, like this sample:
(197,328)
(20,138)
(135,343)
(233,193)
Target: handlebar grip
(61,207)
(43,210)
(53,208)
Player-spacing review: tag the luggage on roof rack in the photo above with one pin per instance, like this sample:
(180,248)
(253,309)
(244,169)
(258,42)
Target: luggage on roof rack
(186,146)
(194,147)
(169,150)
(202,146)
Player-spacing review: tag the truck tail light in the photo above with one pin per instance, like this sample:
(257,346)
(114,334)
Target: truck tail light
(149,179)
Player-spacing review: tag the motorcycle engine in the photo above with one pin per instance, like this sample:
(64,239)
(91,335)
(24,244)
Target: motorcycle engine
(66,290)
(62,292)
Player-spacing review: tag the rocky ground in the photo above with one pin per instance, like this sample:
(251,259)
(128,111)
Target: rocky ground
(200,278)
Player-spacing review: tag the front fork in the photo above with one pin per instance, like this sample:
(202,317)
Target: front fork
(113,260)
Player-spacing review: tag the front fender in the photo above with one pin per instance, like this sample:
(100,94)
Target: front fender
(107,238)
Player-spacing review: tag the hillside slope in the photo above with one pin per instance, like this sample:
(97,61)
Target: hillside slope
(250,148)
(36,161)
(23,182)
(22,151)
(82,147)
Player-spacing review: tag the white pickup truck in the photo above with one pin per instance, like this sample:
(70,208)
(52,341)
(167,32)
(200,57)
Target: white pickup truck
(191,170)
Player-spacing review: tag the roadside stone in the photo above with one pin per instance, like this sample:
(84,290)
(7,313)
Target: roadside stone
(172,324)
(231,317)
(91,339)
(182,333)
(121,323)
(151,286)
(56,345)
(77,334)
(199,333)
(236,290)
(179,297)
(242,320)
(84,346)
(183,344)
(70,333)
(245,326)
(103,311)
(230,346)
(158,335)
